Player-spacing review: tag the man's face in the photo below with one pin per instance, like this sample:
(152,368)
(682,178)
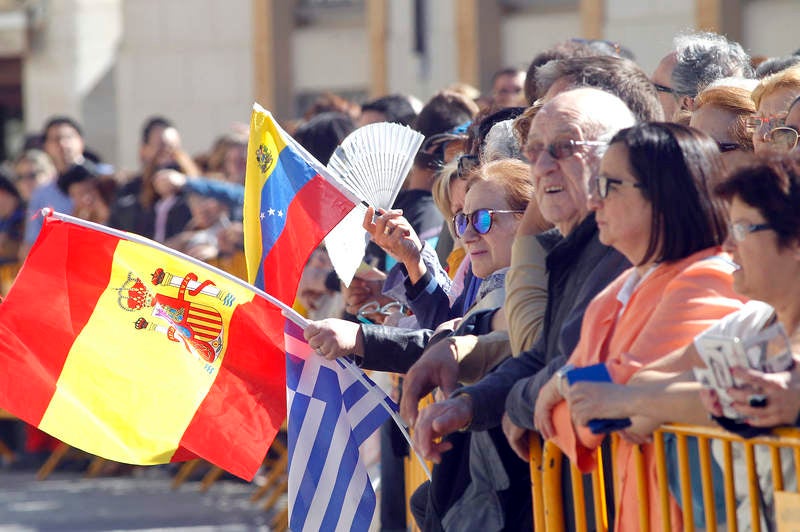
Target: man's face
(662,78)
(507,90)
(64,145)
(161,146)
(561,184)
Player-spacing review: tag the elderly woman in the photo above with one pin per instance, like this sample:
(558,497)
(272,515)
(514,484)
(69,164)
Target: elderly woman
(772,97)
(784,138)
(652,204)
(764,241)
(722,112)
(497,196)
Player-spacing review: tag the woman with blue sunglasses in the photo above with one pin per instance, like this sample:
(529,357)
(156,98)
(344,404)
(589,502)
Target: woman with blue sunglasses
(497,196)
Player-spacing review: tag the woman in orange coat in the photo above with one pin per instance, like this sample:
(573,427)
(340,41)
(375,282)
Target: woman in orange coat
(653,204)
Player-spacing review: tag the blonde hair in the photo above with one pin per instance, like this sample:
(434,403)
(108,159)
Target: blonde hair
(513,175)
(785,78)
(735,100)
(441,187)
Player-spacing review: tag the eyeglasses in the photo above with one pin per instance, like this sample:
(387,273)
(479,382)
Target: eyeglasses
(663,88)
(481,220)
(740,230)
(784,138)
(757,123)
(373,307)
(558,150)
(728,146)
(466,164)
(602,184)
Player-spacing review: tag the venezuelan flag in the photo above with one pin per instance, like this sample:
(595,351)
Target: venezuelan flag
(140,356)
(291,203)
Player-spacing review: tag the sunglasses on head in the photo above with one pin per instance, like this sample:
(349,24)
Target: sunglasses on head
(481,220)
(558,150)
(431,161)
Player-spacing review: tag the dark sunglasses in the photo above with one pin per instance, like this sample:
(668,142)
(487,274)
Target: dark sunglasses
(466,164)
(728,146)
(663,88)
(431,161)
(481,220)
(558,150)
(602,184)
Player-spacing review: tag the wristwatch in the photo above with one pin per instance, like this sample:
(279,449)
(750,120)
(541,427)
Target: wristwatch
(561,374)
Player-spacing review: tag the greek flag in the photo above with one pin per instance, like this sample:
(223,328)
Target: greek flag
(331,411)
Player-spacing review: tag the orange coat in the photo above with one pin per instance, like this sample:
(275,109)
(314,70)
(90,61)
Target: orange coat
(666,311)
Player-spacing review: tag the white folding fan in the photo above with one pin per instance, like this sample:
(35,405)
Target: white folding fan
(373,162)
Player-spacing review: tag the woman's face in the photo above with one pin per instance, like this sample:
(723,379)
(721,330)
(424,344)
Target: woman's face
(492,251)
(623,216)
(772,108)
(719,124)
(763,269)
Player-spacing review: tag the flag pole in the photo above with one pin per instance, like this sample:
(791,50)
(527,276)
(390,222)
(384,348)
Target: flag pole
(350,366)
(287,311)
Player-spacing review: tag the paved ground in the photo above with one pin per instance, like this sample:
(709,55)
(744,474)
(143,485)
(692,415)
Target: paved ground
(67,502)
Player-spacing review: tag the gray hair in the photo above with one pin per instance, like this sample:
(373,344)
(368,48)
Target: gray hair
(703,57)
(501,143)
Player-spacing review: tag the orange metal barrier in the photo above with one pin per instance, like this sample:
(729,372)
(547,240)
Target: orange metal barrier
(414,474)
(548,503)
(8,272)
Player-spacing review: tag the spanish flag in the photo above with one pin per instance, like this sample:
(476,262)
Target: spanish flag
(122,348)
(290,199)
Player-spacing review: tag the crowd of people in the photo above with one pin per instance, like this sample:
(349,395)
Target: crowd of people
(584,214)
(592,219)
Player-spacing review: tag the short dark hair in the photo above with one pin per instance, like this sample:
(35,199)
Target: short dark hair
(60,120)
(76,174)
(771,185)
(321,134)
(675,165)
(152,123)
(621,77)
(443,112)
(395,107)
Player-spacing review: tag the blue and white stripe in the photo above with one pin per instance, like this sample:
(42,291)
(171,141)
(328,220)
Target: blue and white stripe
(330,414)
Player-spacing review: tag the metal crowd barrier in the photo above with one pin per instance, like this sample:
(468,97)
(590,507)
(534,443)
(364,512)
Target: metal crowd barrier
(548,496)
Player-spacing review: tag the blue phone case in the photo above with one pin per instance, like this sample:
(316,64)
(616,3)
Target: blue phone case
(597,373)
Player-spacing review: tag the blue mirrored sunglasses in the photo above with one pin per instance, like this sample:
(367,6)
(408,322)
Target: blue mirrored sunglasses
(481,220)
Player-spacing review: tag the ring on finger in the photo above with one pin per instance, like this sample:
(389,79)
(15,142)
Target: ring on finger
(757,400)
(387,230)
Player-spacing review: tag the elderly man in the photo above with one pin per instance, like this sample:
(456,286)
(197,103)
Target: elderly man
(696,60)
(565,144)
